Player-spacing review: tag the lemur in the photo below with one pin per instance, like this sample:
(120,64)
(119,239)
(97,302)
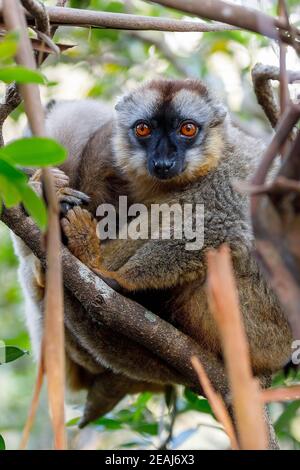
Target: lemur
(168,141)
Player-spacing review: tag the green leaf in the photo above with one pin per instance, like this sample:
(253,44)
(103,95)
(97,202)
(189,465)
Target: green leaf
(11,173)
(8,49)
(19,74)
(284,419)
(9,46)
(10,180)
(73,422)
(2,443)
(34,151)
(35,206)
(109,424)
(10,354)
(128,445)
(8,191)
(145,428)
(196,403)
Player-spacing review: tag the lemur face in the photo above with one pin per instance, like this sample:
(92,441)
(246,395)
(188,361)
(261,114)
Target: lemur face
(164,129)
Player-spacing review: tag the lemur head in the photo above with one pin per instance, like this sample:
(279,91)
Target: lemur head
(169,130)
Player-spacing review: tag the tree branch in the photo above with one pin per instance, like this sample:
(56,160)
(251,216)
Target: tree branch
(106,307)
(88,18)
(261,76)
(240,16)
(39,12)
(11,101)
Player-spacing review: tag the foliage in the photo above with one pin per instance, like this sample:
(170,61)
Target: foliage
(29,152)
(103,63)
(2,443)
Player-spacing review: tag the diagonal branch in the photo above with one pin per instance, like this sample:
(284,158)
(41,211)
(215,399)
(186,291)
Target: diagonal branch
(106,307)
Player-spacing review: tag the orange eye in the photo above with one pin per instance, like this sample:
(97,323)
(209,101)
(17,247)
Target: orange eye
(143,129)
(189,129)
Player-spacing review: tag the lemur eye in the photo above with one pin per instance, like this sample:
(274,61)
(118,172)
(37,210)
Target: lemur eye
(188,129)
(142,129)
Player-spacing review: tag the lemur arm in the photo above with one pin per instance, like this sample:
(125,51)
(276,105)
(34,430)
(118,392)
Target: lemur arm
(154,265)
(133,264)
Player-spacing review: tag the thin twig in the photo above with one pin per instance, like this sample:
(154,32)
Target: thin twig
(216,402)
(224,305)
(281,394)
(33,407)
(53,341)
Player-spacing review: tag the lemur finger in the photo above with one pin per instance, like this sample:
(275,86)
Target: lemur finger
(82,214)
(66,226)
(71,217)
(65,207)
(75,192)
(60,178)
(71,200)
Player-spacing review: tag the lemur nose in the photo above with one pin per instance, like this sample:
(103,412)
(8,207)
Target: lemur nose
(163,166)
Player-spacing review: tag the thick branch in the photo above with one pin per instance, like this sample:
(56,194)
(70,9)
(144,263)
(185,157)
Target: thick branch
(237,15)
(106,307)
(88,18)
(261,76)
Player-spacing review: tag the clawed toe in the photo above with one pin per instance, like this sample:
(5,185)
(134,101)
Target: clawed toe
(69,198)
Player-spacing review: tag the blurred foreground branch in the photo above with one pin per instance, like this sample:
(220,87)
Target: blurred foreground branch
(52,355)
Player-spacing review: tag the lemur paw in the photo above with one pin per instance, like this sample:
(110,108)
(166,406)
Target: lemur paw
(80,228)
(67,197)
(61,180)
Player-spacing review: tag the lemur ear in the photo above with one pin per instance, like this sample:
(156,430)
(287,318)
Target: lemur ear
(219,114)
(121,102)
(118,105)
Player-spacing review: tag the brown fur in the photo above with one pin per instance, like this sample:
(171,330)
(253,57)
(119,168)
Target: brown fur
(161,274)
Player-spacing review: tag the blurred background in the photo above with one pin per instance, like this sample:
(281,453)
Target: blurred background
(104,64)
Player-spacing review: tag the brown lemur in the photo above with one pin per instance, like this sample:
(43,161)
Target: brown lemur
(167,142)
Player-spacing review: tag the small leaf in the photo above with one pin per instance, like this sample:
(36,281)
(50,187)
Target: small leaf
(10,179)
(9,193)
(128,445)
(8,45)
(145,428)
(2,443)
(34,151)
(10,354)
(8,49)
(11,174)
(283,422)
(19,74)
(196,403)
(108,424)
(35,206)
(73,422)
